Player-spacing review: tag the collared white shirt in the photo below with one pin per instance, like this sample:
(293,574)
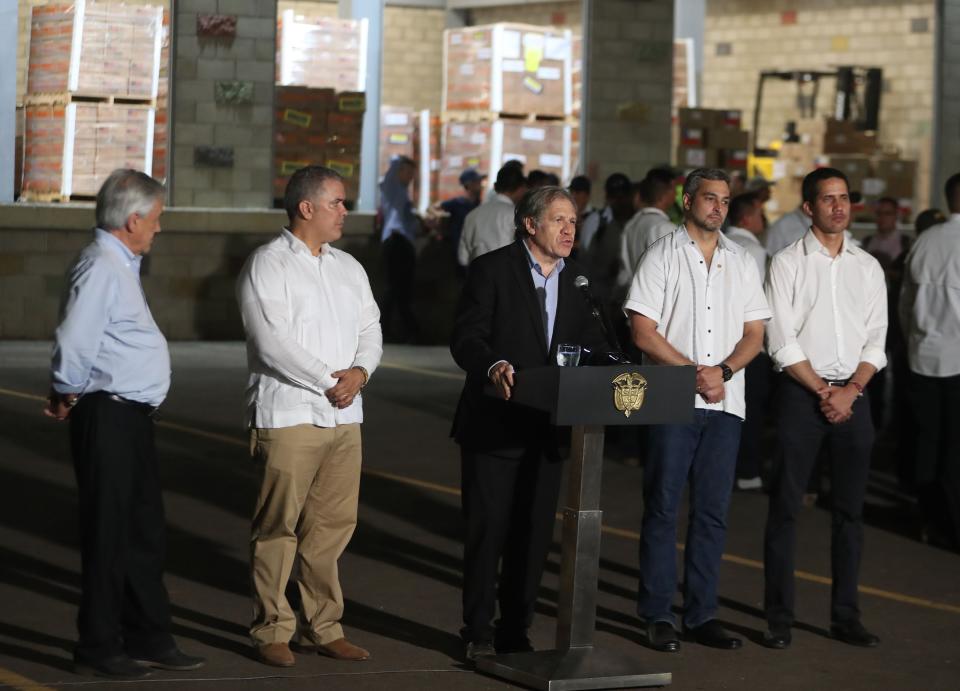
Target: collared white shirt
(488,227)
(305,318)
(589,225)
(700,312)
(831,311)
(646,227)
(751,243)
(930,301)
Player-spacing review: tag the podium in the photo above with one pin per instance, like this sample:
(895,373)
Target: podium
(588,398)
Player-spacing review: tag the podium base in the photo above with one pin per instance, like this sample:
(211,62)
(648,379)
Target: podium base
(570,670)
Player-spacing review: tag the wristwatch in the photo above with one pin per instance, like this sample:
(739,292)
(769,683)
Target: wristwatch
(727,372)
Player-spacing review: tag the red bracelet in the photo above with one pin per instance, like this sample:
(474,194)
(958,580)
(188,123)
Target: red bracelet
(858,387)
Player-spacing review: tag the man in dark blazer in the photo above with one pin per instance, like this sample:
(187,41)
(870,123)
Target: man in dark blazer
(518,304)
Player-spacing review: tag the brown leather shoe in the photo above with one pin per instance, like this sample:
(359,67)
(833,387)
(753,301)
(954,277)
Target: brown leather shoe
(276,655)
(342,649)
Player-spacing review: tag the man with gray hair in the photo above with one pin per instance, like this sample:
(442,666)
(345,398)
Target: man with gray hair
(695,300)
(110,373)
(518,304)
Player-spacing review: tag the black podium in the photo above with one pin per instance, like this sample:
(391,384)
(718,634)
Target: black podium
(588,398)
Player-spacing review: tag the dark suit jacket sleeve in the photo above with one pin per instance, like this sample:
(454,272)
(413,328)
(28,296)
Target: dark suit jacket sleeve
(473,327)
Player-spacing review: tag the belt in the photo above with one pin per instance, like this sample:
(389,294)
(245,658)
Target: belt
(144,408)
(837,382)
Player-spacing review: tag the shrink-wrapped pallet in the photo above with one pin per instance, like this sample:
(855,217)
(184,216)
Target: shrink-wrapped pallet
(321,52)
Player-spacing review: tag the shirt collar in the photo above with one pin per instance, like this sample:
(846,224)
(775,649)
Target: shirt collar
(743,233)
(108,239)
(682,237)
(812,245)
(297,245)
(653,211)
(535,265)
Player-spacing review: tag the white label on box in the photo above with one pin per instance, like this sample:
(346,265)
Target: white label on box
(396,119)
(548,73)
(533,134)
(483,53)
(455,161)
(456,39)
(514,157)
(533,41)
(478,138)
(779,170)
(513,65)
(466,68)
(551,160)
(511,44)
(457,130)
(874,186)
(557,48)
(696,157)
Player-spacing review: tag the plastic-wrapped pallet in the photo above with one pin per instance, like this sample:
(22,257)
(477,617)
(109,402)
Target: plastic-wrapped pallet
(101,49)
(160,132)
(486,146)
(322,52)
(508,68)
(399,130)
(72,148)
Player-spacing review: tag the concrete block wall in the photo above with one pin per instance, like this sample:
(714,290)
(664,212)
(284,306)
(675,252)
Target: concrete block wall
(948,140)
(566,14)
(742,37)
(198,120)
(630,82)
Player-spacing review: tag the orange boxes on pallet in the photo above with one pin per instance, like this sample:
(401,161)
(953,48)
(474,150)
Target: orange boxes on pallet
(322,52)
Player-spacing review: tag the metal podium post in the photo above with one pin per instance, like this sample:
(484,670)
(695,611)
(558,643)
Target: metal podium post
(575,663)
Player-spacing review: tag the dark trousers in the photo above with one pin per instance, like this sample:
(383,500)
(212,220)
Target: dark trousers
(703,453)
(123,602)
(400,264)
(758,376)
(801,431)
(936,407)
(509,508)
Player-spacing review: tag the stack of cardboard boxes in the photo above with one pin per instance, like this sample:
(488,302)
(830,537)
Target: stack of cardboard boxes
(92,80)
(322,52)
(507,94)
(711,139)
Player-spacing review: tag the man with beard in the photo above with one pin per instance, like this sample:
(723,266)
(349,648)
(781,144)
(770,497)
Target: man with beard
(696,299)
(827,334)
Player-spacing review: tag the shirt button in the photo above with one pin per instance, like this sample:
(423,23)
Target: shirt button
(709,331)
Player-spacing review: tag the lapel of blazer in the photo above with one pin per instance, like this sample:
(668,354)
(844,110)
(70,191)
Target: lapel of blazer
(527,293)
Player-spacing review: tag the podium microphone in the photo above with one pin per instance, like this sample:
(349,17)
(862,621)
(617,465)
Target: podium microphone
(582,283)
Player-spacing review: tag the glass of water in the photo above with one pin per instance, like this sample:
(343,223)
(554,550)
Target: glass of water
(568,355)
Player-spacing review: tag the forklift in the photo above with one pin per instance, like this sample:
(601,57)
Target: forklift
(857,99)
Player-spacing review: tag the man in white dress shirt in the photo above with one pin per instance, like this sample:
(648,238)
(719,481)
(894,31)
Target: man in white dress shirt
(313,340)
(696,299)
(491,226)
(787,229)
(827,335)
(650,223)
(930,314)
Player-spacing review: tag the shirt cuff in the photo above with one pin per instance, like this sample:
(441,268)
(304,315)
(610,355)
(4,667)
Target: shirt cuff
(640,308)
(757,315)
(490,368)
(874,356)
(789,354)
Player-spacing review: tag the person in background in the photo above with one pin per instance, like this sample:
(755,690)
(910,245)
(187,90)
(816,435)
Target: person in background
(401,226)
(930,314)
(537,178)
(650,223)
(603,254)
(457,208)
(109,373)
(745,228)
(927,219)
(786,230)
(490,226)
(588,217)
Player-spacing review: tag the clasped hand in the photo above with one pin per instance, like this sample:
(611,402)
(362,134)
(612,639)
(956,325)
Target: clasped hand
(836,403)
(710,383)
(502,377)
(349,383)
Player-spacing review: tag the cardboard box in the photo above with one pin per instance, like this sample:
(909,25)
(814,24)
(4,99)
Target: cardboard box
(697,157)
(508,68)
(693,137)
(899,177)
(857,168)
(733,159)
(785,196)
(321,52)
(728,138)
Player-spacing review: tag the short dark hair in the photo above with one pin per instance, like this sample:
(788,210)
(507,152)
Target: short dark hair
(303,184)
(509,178)
(952,190)
(617,184)
(656,183)
(581,183)
(537,178)
(811,183)
(740,206)
(534,205)
(927,219)
(695,179)
(888,200)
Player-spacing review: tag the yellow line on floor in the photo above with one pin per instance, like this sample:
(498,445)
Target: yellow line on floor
(15,681)
(610,530)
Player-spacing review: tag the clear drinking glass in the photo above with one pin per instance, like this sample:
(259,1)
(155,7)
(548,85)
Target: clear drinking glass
(568,355)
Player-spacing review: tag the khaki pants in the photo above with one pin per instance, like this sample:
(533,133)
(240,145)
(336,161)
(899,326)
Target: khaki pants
(306,513)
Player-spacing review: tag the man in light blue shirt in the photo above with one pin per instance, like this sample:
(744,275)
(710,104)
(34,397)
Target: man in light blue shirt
(110,372)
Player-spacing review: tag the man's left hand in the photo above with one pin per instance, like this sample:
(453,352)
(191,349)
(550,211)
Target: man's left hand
(710,384)
(349,383)
(837,407)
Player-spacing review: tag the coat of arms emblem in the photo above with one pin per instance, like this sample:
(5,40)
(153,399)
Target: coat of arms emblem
(629,390)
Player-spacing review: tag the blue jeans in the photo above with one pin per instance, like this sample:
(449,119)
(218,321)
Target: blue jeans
(703,453)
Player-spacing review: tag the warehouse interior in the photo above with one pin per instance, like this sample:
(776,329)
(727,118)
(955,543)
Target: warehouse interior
(223,99)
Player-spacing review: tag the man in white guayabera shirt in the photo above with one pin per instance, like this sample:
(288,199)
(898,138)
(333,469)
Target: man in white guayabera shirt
(313,340)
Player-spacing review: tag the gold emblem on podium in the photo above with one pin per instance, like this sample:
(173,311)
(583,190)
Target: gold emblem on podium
(629,390)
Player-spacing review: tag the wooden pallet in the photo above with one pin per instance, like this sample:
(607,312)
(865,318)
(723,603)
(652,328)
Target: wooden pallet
(489,115)
(54,197)
(63,98)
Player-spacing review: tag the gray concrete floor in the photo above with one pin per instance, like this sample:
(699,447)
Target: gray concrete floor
(401,571)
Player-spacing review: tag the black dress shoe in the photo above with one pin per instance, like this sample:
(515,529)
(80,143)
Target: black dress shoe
(854,633)
(515,643)
(477,649)
(174,660)
(778,639)
(116,667)
(663,637)
(713,635)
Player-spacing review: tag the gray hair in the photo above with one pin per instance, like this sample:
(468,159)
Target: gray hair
(534,205)
(695,178)
(126,192)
